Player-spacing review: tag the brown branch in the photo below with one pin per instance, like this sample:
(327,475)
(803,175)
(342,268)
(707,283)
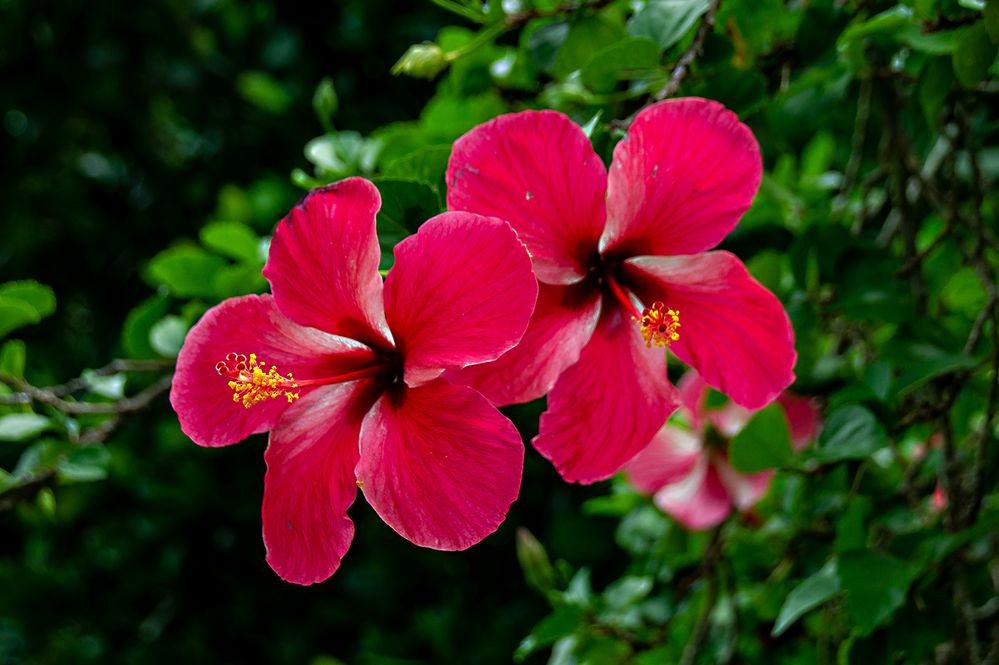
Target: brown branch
(49,398)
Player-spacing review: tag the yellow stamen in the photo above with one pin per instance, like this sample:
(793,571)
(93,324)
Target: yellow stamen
(253,382)
(659,325)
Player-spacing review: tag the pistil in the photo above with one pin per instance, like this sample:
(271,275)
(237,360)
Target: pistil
(659,324)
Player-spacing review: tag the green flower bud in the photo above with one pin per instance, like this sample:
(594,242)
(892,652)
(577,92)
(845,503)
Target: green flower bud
(325,103)
(534,560)
(425,60)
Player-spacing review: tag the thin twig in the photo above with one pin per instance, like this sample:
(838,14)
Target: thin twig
(682,66)
(127,405)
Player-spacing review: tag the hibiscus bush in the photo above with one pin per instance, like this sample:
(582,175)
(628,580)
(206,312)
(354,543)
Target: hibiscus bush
(662,331)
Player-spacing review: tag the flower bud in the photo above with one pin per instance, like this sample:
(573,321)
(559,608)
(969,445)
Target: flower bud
(534,560)
(325,103)
(425,60)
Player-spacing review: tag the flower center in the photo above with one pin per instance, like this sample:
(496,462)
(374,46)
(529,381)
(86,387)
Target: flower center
(659,324)
(252,381)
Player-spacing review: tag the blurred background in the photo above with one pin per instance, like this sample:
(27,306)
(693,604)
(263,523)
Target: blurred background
(147,151)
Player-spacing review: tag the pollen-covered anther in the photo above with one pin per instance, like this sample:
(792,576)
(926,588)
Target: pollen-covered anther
(252,381)
(659,325)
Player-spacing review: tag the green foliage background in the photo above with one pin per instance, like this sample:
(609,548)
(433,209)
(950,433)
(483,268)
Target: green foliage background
(148,151)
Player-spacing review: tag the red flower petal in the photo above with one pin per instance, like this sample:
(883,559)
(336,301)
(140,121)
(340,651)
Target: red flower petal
(562,324)
(609,405)
(440,464)
(732,330)
(681,179)
(537,170)
(668,459)
(323,262)
(699,501)
(310,482)
(250,324)
(461,292)
(802,416)
(693,393)
(744,489)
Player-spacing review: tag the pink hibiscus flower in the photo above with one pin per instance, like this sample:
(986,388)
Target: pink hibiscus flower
(687,470)
(623,267)
(346,374)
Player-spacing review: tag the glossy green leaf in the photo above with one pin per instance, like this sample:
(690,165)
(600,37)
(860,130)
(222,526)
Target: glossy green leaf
(809,594)
(764,443)
(186,271)
(13,355)
(232,239)
(850,432)
(973,55)
(666,21)
(560,623)
(21,426)
(139,323)
(84,464)
(875,583)
(167,336)
(622,60)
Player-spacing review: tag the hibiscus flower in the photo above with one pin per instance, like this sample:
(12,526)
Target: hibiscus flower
(687,472)
(624,269)
(345,372)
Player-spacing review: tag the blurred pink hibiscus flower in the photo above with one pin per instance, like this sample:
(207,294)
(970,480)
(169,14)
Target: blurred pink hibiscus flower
(687,472)
(351,387)
(623,264)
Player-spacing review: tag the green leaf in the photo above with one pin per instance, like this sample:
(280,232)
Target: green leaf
(427,164)
(876,585)
(405,205)
(232,239)
(167,336)
(15,314)
(84,464)
(621,60)
(922,370)
(13,355)
(973,55)
(40,297)
(627,591)
(264,91)
(112,386)
(809,594)
(851,527)
(21,426)
(935,84)
(851,432)
(543,42)
(764,443)
(187,272)
(563,621)
(238,280)
(445,118)
(585,39)
(991,16)
(139,323)
(666,21)
(23,303)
